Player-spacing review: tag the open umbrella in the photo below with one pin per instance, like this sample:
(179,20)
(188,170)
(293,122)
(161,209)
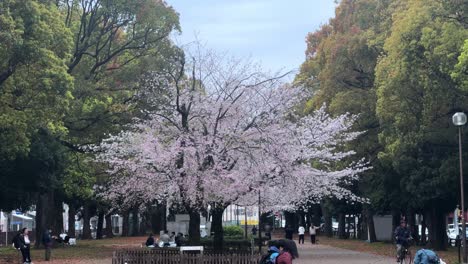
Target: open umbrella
(290,246)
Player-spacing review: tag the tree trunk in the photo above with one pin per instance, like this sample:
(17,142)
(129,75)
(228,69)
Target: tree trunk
(48,216)
(328,220)
(194,227)
(309,216)
(363,226)
(412,224)
(135,225)
(437,234)
(86,223)
(41,218)
(56,215)
(288,217)
(108,230)
(341,226)
(370,225)
(217,228)
(125,224)
(100,224)
(155,221)
(71,221)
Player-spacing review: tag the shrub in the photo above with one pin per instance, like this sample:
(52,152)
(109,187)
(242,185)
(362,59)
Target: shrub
(233,231)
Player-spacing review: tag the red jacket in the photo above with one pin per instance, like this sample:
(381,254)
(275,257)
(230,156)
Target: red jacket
(284,258)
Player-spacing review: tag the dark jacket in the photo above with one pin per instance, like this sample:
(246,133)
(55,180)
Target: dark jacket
(22,242)
(402,235)
(16,241)
(150,241)
(46,238)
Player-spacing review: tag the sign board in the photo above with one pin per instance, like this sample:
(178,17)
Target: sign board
(192,249)
(249,222)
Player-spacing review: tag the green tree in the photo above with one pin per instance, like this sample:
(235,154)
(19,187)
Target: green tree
(416,97)
(35,88)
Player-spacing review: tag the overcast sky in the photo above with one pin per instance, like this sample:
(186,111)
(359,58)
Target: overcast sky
(271,32)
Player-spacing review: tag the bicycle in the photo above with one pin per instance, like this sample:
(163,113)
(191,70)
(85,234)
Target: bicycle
(406,257)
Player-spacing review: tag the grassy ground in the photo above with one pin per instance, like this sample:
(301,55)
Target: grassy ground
(382,248)
(84,250)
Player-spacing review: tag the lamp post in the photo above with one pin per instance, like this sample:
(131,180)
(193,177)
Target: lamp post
(259,226)
(459,120)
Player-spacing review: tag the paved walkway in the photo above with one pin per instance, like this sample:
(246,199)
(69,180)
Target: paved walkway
(323,254)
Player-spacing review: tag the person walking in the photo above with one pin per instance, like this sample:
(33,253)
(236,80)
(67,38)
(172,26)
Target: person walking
(313,233)
(301,232)
(25,245)
(47,241)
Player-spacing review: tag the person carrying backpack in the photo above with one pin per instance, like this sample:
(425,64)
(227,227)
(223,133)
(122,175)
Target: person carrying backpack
(427,256)
(270,257)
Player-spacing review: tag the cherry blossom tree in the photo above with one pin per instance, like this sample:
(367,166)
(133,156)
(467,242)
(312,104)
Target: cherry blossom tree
(220,130)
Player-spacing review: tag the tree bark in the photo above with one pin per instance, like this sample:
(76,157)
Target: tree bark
(412,224)
(125,224)
(48,215)
(135,225)
(41,218)
(71,220)
(341,226)
(370,225)
(108,230)
(100,224)
(56,216)
(86,223)
(328,220)
(194,227)
(317,214)
(155,221)
(217,228)
(363,225)
(437,234)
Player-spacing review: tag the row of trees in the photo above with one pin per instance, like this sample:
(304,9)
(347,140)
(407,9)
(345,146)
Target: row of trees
(191,128)
(400,65)
(68,74)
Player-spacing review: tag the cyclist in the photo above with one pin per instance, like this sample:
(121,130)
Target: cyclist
(402,238)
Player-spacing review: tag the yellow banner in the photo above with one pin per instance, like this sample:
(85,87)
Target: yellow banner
(249,222)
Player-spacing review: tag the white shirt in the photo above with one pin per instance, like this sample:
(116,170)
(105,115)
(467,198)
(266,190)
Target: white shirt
(301,230)
(312,230)
(26,240)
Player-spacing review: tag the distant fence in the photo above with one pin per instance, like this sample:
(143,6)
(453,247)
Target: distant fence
(162,256)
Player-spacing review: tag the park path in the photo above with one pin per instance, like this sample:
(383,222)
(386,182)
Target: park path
(323,254)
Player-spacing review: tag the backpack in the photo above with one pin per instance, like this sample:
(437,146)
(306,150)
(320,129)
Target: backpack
(16,241)
(266,259)
(432,259)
